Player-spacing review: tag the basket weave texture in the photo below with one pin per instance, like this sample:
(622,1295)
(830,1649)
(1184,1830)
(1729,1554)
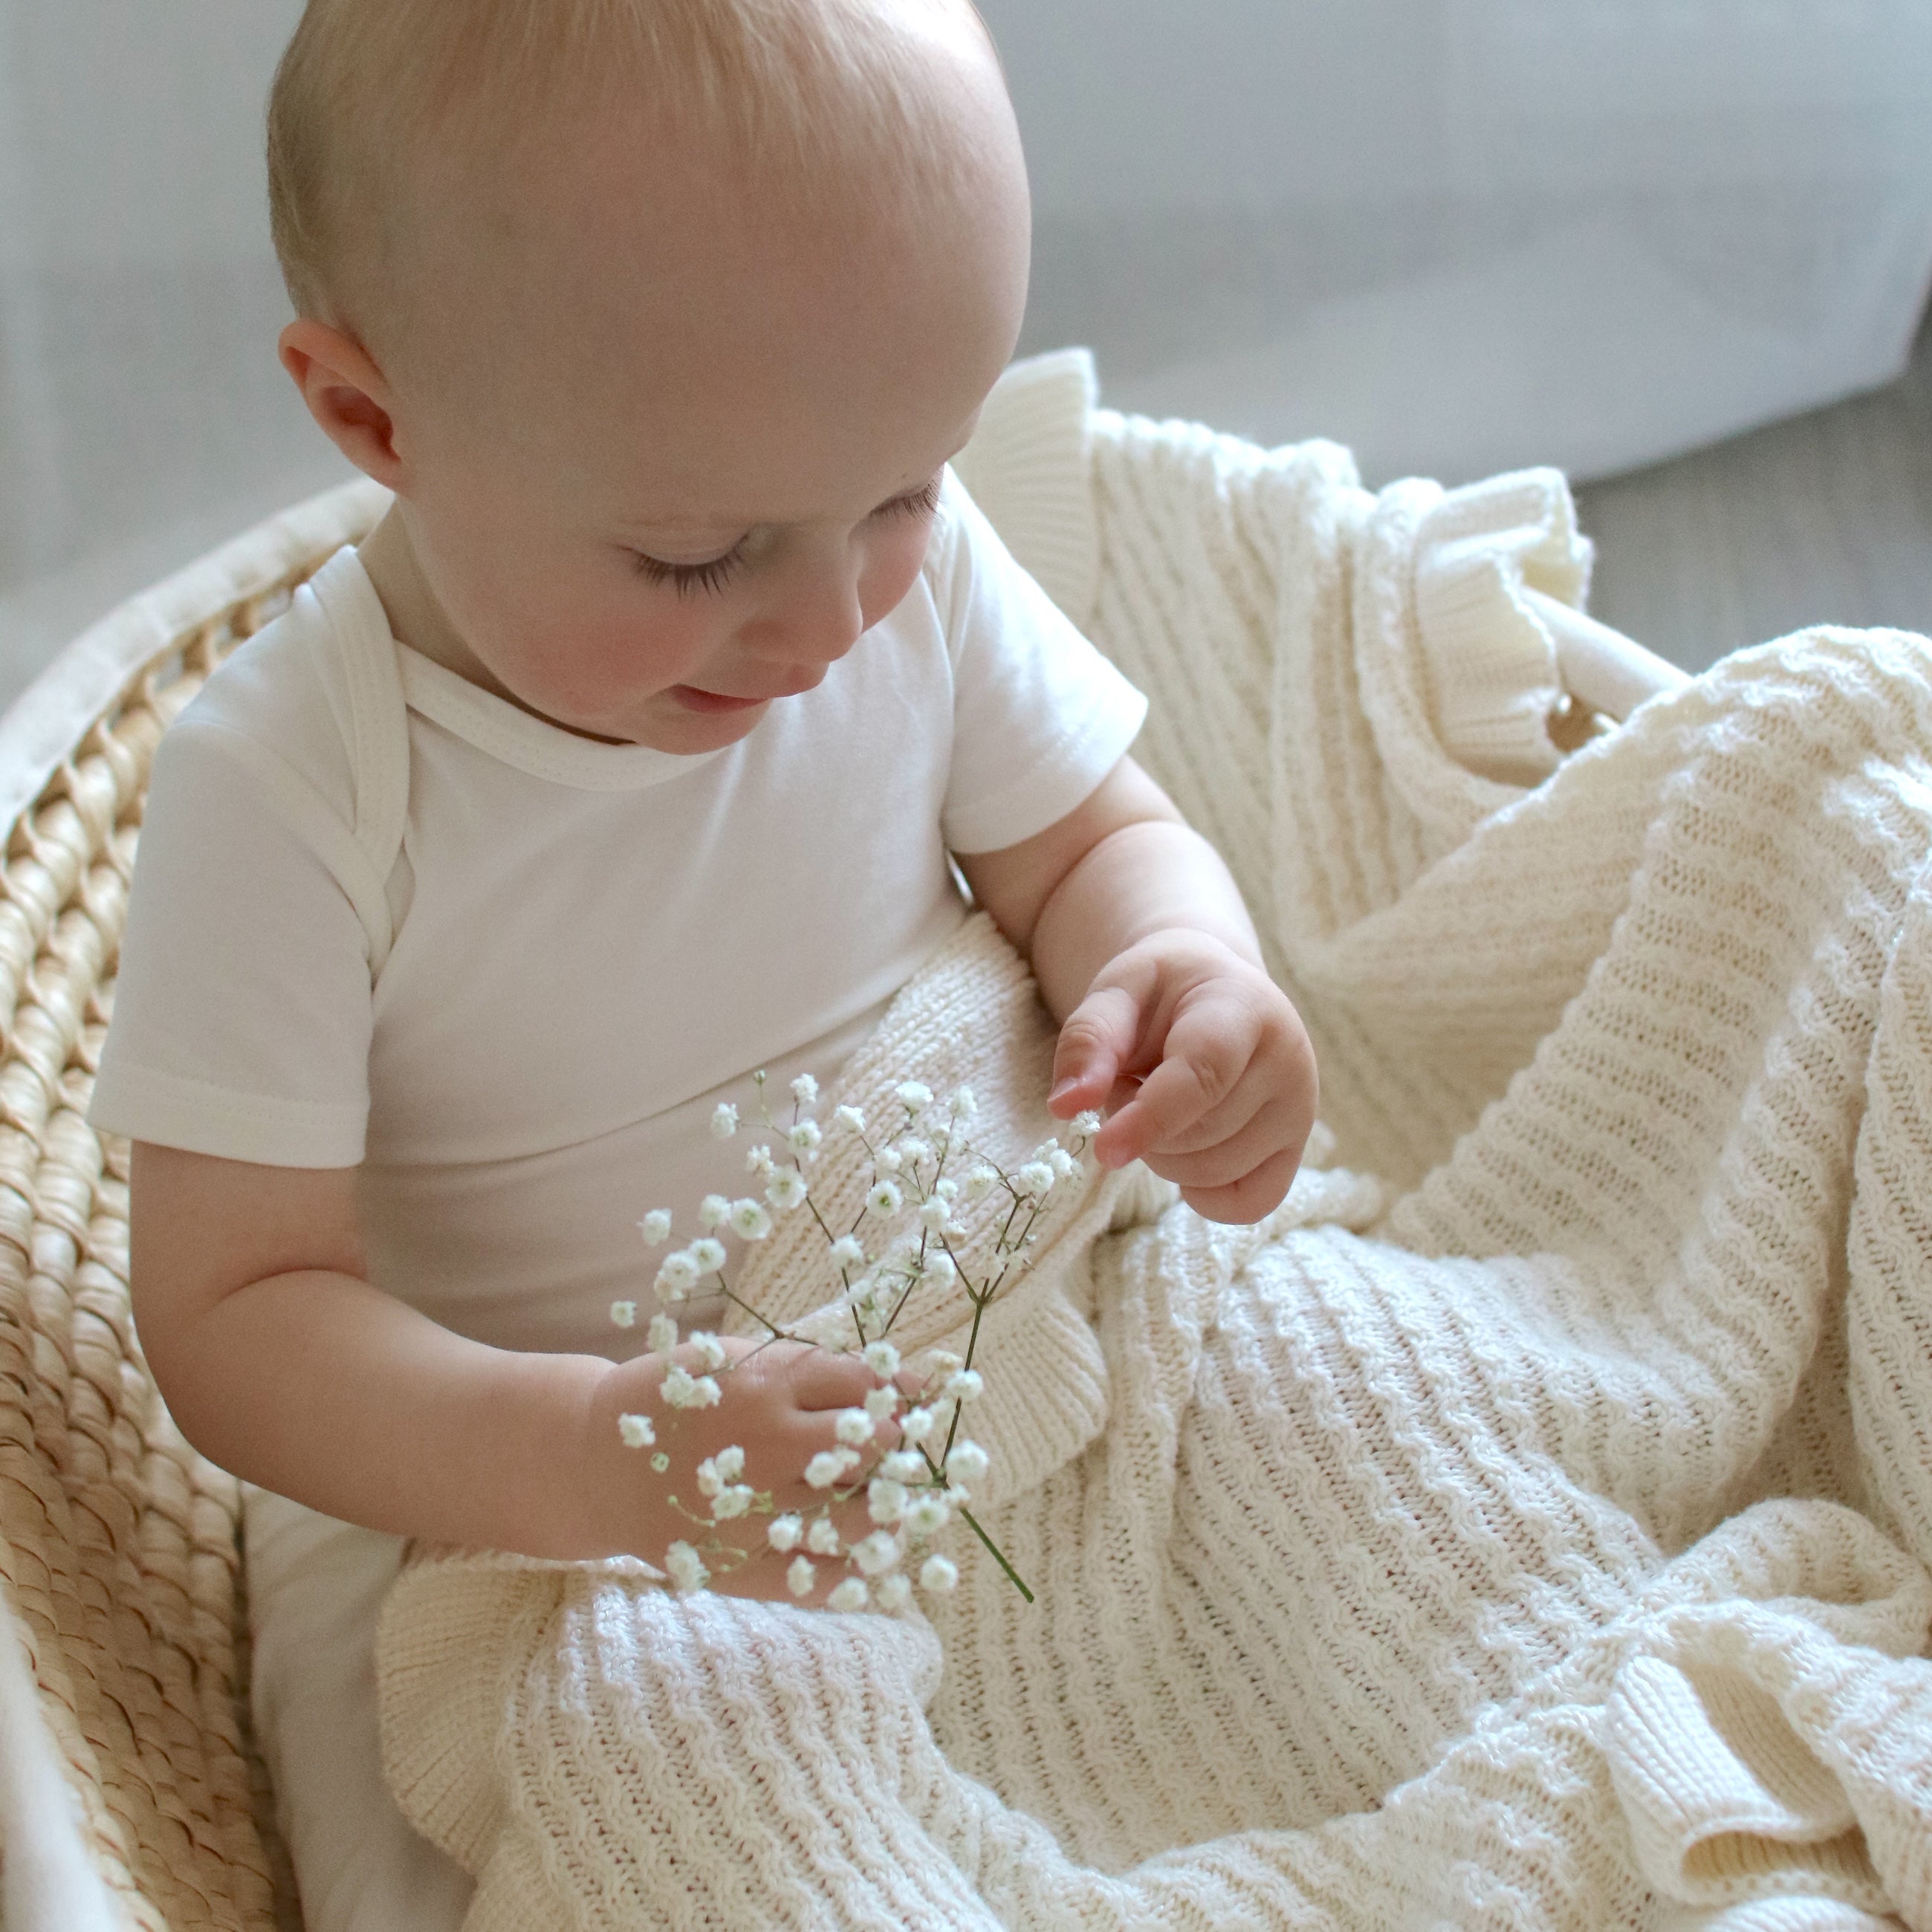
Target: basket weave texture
(119,1549)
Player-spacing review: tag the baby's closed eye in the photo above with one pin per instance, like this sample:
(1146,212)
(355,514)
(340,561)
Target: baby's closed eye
(714,573)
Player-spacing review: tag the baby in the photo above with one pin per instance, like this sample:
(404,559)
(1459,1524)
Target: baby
(635,749)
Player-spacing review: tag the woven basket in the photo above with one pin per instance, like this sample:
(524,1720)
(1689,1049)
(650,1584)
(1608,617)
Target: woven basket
(130,1791)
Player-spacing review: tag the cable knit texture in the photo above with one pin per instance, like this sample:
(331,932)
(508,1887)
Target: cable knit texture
(1527,1526)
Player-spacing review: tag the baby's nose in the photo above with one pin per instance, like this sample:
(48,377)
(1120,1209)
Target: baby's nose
(814,618)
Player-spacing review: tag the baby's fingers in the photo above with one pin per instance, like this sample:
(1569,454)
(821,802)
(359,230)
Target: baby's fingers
(1096,1042)
(1208,1050)
(1244,1201)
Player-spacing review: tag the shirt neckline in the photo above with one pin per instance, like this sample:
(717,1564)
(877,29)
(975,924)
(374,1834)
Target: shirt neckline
(504,731)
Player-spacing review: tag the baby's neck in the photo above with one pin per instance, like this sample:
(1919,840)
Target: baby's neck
(417,619)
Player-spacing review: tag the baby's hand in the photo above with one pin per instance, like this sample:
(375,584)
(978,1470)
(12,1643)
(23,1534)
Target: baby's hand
(1204,1067)
(779,1402)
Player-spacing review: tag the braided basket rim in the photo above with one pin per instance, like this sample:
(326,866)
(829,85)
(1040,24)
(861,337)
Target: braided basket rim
(121,1583)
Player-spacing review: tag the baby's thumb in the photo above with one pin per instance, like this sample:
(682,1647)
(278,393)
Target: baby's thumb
(1094,1042)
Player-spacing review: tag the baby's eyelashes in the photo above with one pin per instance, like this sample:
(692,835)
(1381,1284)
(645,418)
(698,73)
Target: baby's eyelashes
(716,572)
(686,578)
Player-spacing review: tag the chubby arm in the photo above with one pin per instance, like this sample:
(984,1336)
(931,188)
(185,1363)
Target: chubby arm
(1145,953)
(280,1362)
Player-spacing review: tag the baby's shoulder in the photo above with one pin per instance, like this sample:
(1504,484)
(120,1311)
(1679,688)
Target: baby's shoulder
(283,692)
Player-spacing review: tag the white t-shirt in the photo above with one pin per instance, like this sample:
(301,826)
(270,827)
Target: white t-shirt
(592,943)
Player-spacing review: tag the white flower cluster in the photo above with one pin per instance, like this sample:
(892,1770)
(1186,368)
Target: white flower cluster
(904,1454)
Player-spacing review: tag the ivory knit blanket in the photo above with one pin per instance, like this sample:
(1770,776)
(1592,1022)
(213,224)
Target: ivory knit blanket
(1528,1526)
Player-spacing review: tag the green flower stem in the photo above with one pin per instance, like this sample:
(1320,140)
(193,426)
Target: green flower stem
(776,1333)
(998,1554)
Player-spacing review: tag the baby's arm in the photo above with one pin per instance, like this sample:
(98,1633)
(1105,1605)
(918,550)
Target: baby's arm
(1144,952)
(280,1362)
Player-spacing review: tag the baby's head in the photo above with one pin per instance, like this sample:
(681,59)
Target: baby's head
(661,316)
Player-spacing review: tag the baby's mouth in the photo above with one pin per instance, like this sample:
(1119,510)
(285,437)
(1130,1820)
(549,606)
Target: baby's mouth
(692,699)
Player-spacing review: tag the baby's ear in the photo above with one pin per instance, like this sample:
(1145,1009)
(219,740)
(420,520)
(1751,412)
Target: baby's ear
(345,394)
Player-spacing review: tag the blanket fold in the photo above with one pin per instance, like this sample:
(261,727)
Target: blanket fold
(1527,1526)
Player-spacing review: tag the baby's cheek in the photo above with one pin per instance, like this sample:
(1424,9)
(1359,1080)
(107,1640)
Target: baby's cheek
(893,560)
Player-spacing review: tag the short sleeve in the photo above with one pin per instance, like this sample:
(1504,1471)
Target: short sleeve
(1039,716)
(241,1018)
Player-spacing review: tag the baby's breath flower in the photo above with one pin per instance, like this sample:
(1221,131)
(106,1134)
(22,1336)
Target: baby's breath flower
(783,1532)
(624,1314)
(805,1090)
(880,1402)
(686,1567)
(890,1592)
(713,1211)
(733,1500)
(708,1253)
(1035,1180)
(883,1359)
(712,1353)
(655,1227)
(823,1537)
(724,1121)
(912,1150)
(1086,1125)
(903,1465)
(1063,1163)
(804,1138)
(913,1095)
(848,1252)
(942,1362)
(758,1160)
(917,1424)
(850,1118)
(749,1219)
(800,1576)
(981,1182)
(850,1595)
(967,1463)
(824,1469)
(885,1499)
(877,1552)
(946,1188)
(683,1390)
(936,1215)
(709,1480)
(637,1430)
(660,1337)
(853,1426)
(963,1104)
(926,1515)
(887,1161)
(677,1275)
(940,1268)
(965,1385)
(786,1188)
(939,1574)
(885,1198)
(730,1463)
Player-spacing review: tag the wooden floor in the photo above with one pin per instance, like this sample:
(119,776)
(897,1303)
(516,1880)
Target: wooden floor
(1825,519)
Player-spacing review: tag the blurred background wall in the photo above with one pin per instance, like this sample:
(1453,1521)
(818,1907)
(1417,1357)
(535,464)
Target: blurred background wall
(1460,235)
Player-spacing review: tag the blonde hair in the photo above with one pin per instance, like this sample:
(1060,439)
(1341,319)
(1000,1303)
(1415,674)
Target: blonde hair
(367,85)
